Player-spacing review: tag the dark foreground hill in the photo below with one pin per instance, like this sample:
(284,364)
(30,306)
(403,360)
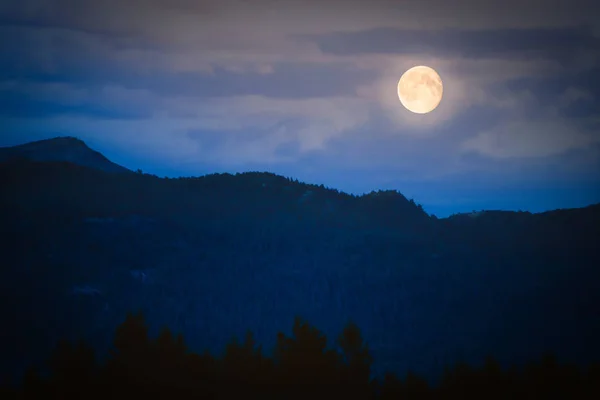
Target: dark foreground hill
(214,256)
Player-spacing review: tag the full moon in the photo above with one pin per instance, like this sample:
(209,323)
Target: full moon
(420,89)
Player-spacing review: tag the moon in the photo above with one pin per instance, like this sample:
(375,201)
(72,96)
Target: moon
(420,89)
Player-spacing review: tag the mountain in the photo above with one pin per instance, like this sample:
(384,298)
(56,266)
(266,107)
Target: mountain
(67,149)
(216,255)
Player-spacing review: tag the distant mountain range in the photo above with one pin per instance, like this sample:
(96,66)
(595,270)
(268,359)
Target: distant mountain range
(68,149)
(216,255)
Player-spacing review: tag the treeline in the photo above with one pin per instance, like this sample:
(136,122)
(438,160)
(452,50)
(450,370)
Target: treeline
(73,189)
(301,366)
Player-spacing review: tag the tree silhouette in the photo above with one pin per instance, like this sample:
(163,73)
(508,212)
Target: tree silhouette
(357,361)
(547,378)
(73,369)
(130,361)
(201,373)
(390,387)
(33,386)
(131,340)
(302,367)
(303,362)
(246,367)
(168,360)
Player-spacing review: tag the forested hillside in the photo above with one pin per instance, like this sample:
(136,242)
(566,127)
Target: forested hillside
(217,255)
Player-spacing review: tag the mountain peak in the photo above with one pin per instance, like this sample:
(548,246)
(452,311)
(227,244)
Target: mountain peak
(62,148)
(66,140)
(53,143)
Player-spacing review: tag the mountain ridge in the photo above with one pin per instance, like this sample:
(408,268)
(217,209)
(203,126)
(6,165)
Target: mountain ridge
(61,148)
(70,149)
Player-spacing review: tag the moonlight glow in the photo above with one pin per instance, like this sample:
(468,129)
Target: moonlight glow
(420,89)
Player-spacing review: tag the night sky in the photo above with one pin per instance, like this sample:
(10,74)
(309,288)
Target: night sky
(307,89)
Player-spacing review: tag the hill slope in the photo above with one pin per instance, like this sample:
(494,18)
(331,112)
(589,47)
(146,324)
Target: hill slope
(216,255)
(67,149)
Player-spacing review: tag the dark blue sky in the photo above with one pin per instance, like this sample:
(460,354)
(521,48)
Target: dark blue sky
(307,89)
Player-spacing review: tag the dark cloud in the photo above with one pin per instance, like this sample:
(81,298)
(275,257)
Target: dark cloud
(547,86)
(286,81)
(94,16)
(292,81)
(56,54)
(556,43)
(14,103)
(561,92)
(89,60)
(581,108)
(16,30)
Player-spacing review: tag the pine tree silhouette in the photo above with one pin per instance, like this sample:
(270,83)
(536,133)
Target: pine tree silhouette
(302,367)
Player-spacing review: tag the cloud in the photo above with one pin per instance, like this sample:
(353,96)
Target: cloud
(574,94)
(243,35)
(75,57)
(573,91)
(35,99)
(283,81)
(531,138)
(560,43)
(293,15)
(309,124)
(538,121)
